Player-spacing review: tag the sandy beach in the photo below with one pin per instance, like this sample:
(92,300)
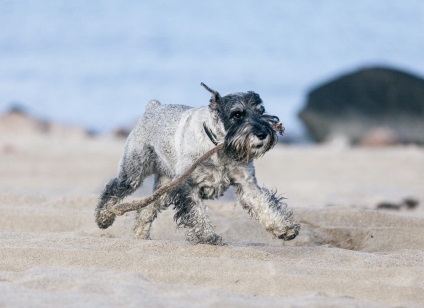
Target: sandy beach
(349,253)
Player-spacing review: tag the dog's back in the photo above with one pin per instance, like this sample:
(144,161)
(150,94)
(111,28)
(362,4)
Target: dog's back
(158,124)
(172,133)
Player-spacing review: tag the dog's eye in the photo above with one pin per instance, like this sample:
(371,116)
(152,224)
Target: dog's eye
(237,115)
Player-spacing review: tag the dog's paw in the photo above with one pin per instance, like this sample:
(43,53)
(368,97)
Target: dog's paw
(288,233)
(104,218)
(210,239)
(215,240)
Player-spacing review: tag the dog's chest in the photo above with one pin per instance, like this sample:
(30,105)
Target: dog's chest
(211,180)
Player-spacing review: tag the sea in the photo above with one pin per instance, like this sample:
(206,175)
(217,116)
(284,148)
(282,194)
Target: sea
(96,64)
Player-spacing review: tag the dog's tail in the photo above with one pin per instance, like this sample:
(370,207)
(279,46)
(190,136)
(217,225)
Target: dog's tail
(153,104)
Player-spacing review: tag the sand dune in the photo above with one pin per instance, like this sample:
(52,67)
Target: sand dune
(348,253)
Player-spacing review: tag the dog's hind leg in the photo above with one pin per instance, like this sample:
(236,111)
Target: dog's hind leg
(191,213)
(135,166)
(146,215)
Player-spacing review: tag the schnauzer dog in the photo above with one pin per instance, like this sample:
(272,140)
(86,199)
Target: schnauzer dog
(168,138)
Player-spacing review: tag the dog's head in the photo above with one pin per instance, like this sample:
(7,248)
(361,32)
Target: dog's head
(250,133)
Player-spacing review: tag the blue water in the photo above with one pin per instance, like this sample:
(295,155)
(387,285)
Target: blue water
(97,63)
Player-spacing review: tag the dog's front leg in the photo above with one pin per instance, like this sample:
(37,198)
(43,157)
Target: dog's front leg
(191,213)
(265,206)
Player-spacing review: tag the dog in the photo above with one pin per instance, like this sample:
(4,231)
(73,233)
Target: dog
(167,139)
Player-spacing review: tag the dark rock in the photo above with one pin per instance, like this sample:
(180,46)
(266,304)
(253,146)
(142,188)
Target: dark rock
(410,203)
(407,203)
(388,206)
(365,100)
(121,132)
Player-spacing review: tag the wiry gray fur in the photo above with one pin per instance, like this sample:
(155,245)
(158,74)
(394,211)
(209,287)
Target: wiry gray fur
(169,138)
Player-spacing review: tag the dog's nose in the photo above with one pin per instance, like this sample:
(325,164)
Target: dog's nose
(261,135)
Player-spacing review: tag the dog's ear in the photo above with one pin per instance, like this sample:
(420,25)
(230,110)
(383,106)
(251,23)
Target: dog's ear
(215,99)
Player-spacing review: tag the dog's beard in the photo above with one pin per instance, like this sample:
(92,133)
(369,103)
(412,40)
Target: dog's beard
(242,144)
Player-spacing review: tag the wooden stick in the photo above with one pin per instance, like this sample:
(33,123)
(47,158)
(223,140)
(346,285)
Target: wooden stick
(121,209)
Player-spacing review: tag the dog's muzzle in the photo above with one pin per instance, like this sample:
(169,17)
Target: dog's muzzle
(245,145)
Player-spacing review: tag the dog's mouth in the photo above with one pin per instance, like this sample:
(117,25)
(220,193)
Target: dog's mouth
(257,143)
(258,146)
(247,147)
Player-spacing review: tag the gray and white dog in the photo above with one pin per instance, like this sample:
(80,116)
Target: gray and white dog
(168,138)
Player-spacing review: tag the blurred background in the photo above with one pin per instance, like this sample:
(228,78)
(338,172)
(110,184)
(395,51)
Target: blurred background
(96,64)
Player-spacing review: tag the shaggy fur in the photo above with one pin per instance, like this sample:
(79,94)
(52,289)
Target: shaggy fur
(169,138)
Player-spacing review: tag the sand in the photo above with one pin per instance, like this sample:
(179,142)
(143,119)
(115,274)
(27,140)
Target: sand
(347,254)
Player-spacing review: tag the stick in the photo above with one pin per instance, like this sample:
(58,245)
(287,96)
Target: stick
(121,209)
